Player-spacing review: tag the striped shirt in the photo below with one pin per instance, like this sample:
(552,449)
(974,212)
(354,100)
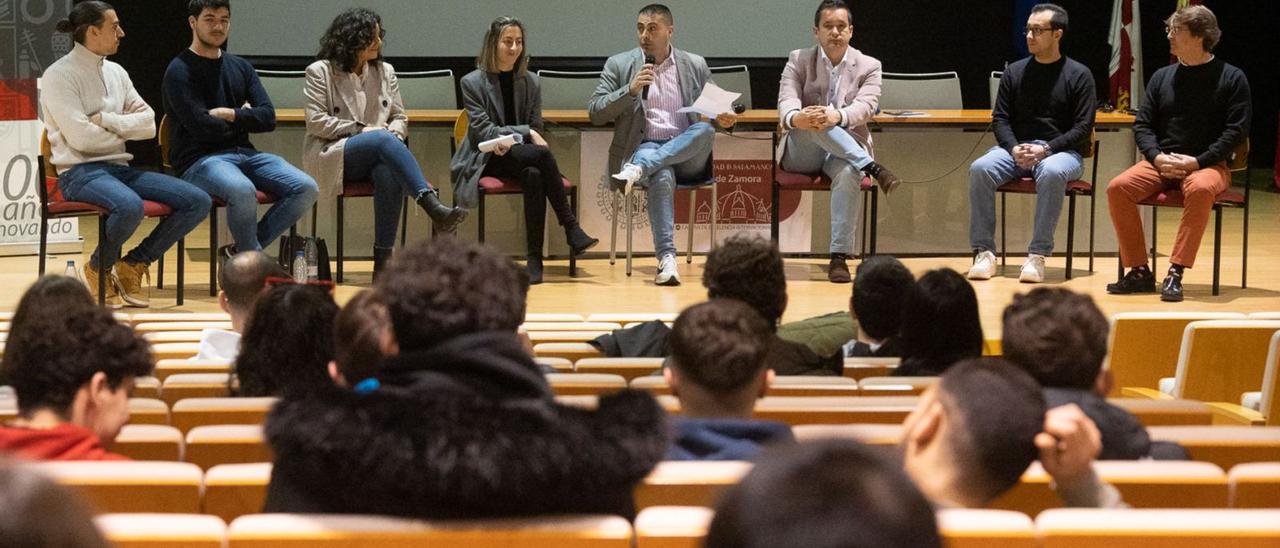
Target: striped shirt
(663,122)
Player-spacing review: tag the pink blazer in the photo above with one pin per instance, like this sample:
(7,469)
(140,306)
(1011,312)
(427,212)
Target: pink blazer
(805,82)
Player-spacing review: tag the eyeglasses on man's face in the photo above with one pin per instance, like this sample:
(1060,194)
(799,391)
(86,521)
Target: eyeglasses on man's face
(1037,31)
(1171,30)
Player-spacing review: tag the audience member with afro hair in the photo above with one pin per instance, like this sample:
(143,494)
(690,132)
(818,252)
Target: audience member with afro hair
(461,423)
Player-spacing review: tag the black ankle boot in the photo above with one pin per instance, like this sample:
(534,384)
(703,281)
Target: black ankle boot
(533,266)
(443,218)
(579,240)
(381,256)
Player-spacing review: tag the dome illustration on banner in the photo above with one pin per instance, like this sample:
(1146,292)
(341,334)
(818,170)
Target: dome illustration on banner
(737,207)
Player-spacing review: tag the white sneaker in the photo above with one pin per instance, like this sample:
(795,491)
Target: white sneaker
(667,273)
(1032,270)
(984,266)
(630,174)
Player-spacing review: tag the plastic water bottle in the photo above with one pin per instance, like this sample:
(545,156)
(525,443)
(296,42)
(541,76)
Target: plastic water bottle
(72,272)
(300,267)
(313,260)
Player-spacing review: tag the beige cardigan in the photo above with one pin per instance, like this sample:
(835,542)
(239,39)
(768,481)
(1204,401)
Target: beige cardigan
(331,119)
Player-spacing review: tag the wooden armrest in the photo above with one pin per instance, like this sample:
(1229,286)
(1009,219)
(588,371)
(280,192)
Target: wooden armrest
(1148,393)
(1230,413)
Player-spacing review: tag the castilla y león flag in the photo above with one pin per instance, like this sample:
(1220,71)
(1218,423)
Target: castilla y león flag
(1126,55)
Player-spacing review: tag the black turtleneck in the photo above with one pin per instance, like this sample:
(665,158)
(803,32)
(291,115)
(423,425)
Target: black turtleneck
(506,80)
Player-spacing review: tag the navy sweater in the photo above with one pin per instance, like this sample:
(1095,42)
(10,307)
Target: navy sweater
(192,86)
(1052,103)
(1200,111)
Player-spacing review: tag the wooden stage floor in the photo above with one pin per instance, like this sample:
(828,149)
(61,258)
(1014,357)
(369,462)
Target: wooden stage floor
(601,287)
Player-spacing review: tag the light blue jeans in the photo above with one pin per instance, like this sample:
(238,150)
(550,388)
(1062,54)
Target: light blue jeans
(384,158)
(233,176)
(665,164)
(997,167)
(837,154)
(121,189)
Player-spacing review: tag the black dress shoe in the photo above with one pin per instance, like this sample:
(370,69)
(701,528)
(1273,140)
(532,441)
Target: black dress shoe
(1136,281)
(1171,289)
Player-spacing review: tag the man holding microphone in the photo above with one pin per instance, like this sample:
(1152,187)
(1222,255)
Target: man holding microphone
(653,145)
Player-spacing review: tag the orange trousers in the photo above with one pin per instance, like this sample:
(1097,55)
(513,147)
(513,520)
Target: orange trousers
(1143,181)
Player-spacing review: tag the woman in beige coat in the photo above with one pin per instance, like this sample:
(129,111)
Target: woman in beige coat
(356,127)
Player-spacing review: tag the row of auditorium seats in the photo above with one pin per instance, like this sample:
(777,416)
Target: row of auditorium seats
(685,527)
(232,490)
(189,413)
(681,527)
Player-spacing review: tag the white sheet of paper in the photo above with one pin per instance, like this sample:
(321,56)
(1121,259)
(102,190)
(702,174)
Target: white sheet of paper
(713,102)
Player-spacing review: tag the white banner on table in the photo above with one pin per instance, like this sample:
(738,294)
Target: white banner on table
(20,198)
(743,190)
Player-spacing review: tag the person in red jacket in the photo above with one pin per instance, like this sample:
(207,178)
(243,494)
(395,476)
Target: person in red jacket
(72,369)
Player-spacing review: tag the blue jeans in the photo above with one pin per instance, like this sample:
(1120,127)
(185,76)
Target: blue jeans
(665,164)
(997,167)
(233,176)
(382,157)
(840,157)
(121,189)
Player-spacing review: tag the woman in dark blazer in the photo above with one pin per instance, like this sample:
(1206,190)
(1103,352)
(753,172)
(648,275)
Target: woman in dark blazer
(502,97)
(356,127)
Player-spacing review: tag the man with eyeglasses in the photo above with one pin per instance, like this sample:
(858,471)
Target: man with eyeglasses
(827,95)
(1195,113)
(1042,119)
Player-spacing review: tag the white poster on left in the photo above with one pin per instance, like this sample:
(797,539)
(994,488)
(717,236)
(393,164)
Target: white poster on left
(20,198)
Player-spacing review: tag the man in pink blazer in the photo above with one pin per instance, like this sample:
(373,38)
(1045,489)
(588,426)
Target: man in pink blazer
(827,95)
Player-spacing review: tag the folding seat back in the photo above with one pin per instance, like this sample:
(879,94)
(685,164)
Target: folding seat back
(343,531)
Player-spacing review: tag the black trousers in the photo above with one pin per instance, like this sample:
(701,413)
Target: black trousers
(539,176)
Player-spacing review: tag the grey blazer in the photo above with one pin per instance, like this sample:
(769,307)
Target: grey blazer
(482,99)
(612,103)
(331,119)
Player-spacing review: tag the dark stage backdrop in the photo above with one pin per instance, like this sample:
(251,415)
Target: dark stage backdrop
(972,37)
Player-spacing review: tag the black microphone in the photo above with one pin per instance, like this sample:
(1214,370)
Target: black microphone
(739,108)
(648,60)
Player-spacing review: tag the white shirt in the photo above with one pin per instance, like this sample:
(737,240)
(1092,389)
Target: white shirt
(79,85)
(218,344)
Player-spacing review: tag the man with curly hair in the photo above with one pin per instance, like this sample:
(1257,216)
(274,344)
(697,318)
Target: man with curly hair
(72,371)
(461,423)
(717,370)
(749,269)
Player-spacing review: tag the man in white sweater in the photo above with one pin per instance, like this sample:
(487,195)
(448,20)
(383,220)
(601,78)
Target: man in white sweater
(90,110)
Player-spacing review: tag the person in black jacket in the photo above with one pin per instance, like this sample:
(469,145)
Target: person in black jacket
(461,423)
(214,100)
(880,285)
(1060,338)
(1042,118)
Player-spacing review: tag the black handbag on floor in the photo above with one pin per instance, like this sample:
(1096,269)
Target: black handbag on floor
(291,245)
